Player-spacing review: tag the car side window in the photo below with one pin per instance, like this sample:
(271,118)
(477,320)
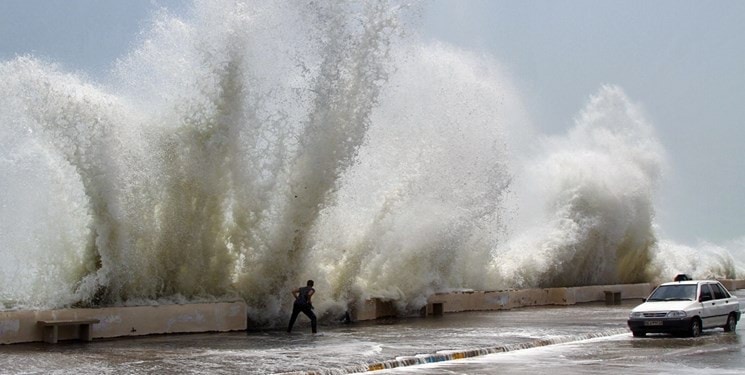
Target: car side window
(706,294)
(719,292)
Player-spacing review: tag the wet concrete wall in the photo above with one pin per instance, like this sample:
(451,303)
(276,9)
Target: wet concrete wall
(733,285)
(502,299)
(509,299)
(22,326)
(514,298)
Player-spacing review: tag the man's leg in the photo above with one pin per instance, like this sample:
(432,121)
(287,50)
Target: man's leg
(295,311)
(309,313)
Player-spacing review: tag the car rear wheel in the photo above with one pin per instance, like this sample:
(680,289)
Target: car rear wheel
(695,328)
(731,323)
(638,333)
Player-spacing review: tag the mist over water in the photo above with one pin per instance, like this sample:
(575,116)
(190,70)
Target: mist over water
(247,147)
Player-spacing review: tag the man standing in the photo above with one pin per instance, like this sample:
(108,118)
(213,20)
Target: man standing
(304,305)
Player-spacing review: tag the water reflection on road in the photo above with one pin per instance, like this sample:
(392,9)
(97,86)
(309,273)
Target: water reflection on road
(714,352)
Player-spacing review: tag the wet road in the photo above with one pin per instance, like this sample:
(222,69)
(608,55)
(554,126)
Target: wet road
(352,348)
(715,352)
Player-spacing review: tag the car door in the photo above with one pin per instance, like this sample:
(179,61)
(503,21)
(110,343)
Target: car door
(709,308)
(725,302)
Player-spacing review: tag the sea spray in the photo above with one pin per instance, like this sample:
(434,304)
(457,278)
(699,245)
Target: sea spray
(705,260)
(421,210)
(257,154)
(351,73)
(249,146)
(596,187)
(66,122)
(204,163)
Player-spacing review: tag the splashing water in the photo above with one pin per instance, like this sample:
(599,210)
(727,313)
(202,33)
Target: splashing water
(201,171)
(705,260)
(248,147)
(420,211)
(595,187)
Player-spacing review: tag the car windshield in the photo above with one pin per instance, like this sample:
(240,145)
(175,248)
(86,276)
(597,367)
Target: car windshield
(674,293)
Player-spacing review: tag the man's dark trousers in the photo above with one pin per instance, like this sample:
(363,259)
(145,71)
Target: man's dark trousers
(305,309)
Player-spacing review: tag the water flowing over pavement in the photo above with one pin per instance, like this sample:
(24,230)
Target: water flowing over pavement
(339,348)
(714,352)
(586,338)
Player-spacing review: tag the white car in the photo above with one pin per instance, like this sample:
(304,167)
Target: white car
(686,308)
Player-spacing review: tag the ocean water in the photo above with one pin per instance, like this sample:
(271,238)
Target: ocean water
(245,147)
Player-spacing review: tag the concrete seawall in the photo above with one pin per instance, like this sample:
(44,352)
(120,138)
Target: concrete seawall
(503,299)
(460,301)
(509,299)
(22,326)
(733,284)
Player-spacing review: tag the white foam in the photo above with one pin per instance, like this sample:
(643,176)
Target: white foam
(243,149)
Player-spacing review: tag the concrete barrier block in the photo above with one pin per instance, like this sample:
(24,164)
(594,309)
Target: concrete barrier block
(363,310)
(436,309)
(612,297)
(372,309)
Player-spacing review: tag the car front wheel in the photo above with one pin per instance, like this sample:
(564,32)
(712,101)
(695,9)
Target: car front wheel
(638,333)
(695,328)
(731,323)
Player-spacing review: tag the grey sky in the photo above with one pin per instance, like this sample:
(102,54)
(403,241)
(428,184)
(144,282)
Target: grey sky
(683,61)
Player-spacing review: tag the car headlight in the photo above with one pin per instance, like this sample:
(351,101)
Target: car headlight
(637,315)
(676,314)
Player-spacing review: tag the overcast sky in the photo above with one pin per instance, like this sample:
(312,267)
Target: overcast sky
(682,61)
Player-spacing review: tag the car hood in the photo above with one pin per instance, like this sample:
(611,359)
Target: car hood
(664,306)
